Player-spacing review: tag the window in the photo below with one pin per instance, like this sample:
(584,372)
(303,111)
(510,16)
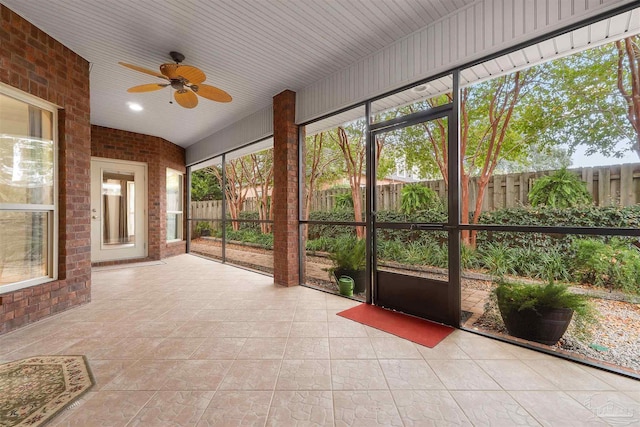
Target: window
(27,190)
(174,205)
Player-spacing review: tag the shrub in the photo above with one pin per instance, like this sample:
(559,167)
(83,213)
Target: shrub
(580,216)
(469,257)
(548,264)
(316,231)
(343,202)
(496,258)
(561,189)
(416,197)
(610,264)
(250,236)
(322,243)
(583,216)
(390,249)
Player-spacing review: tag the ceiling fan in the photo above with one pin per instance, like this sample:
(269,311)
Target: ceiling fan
(185,79)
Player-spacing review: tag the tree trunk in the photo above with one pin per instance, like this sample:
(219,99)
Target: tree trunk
(630,90)
(356,194)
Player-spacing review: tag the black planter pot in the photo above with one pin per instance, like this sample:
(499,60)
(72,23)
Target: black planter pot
(359,278)
(545,327)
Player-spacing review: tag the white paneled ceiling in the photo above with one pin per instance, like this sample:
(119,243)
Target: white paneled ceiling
(253,49)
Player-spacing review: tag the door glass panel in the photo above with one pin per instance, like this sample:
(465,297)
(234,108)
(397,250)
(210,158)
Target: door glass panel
(118,209)
(411,177)
(413,252)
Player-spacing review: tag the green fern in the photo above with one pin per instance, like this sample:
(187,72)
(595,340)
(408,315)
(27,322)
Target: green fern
(416,197)
(518,297)
(349,253)
(561,189)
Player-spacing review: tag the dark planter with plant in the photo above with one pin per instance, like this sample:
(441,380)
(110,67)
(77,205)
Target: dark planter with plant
(203,229)
(349,259)
(538,313)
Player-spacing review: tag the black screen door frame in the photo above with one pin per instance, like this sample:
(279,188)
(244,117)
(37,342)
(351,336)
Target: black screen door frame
(430,299)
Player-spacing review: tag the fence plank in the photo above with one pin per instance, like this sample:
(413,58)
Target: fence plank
(497,192)
(510,191)
(627,197)
(604,186)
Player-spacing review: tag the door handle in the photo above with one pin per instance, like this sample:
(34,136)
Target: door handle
(427,227)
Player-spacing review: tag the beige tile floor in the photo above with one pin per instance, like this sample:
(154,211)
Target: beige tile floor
(192,342)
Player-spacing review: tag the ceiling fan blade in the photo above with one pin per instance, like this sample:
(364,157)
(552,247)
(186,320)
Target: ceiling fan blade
(169,70)
(192,74)
(186,98)
(142,70)
(148,87)
(212,93)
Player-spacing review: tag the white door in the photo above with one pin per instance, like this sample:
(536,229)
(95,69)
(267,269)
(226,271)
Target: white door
(118,210)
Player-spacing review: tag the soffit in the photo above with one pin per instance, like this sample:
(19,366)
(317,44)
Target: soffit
(252,49)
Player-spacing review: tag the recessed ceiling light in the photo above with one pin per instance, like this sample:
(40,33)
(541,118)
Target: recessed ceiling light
(134,106)
(421,88)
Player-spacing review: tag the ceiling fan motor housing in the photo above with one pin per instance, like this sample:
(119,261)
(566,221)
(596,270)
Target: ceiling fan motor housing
(177,84)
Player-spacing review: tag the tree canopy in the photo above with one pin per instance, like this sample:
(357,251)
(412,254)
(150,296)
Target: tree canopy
(205,186)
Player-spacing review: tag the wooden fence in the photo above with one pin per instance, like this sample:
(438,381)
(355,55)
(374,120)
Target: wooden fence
(609,185)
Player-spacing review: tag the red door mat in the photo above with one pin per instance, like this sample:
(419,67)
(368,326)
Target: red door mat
(419,331)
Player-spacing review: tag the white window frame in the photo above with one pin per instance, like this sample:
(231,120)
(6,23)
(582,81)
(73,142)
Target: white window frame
(180,226)
(52,210)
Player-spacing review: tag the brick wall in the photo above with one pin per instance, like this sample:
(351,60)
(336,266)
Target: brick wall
(285,191)
(35,63)
(159,155)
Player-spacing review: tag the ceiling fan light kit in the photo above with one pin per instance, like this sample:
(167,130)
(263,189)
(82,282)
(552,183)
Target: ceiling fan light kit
(186,80)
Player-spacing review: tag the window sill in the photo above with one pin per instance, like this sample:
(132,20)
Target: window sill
(12,287)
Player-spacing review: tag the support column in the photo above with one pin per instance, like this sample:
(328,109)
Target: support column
(285,190)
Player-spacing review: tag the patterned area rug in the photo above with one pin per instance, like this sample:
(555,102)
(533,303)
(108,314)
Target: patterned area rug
(33,390)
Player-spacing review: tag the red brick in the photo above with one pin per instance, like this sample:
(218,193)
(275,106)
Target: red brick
(32,61)
(285,190)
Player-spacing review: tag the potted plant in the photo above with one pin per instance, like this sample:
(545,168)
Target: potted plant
(349,259)
(203,229)
(539,313)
